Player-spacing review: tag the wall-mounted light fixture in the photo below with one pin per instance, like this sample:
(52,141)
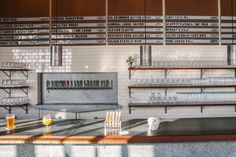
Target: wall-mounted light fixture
(55,50)
(231,49)
(145,50)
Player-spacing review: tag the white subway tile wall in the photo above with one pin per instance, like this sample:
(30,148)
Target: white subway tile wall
(113,59)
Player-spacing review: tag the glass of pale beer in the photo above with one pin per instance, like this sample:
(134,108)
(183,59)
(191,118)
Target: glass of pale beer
(47,120)
(10,120)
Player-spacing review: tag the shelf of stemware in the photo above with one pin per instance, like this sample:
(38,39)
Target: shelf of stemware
(179,104)
(179,86)
(181,68)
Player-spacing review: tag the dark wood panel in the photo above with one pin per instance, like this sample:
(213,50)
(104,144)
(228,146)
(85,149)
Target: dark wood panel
(192,7)
(24,8)
(154,7)
(228,7)
(135,7)
(79,8)
(126,7)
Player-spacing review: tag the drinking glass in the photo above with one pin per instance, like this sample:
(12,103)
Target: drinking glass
(47,120)
(10,121)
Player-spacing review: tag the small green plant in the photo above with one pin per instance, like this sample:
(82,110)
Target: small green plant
(130,61)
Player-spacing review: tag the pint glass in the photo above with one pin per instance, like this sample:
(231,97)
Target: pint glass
(10,120)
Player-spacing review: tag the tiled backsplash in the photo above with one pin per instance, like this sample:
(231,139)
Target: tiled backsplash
(113,59)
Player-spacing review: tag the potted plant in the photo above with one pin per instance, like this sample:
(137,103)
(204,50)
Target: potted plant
(130,61)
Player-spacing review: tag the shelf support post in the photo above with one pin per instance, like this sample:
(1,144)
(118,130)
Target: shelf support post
(166,73)
(129,110)
(166,109)
(202,108)
(129,93)
(202,72)
(202,89)
(166,91)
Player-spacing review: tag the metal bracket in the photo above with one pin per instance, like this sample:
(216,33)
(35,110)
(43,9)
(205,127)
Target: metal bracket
(26,74)
(130,93)
(8,91)
(202,108)
(130,73)
(26,91)
(8,109)
(130,109)
(166,91)
(166,73)
(8,75)
(166,107)
(202,72)
(202,89)
(25,108)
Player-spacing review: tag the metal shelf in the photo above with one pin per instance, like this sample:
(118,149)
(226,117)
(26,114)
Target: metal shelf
(25,72)
(9,107)
(8,89)
(166,87)
(142,105)
(179,86)
(166,69)
(181,68)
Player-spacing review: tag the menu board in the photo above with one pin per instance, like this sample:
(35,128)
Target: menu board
(135,24)
(228,22)
(191,22)
(128,22)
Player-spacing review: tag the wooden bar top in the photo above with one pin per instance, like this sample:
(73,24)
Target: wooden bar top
(92,131)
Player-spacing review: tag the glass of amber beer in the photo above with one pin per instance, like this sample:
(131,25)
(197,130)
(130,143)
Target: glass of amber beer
(10,120)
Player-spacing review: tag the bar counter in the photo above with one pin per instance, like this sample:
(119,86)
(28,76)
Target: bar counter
(92,131)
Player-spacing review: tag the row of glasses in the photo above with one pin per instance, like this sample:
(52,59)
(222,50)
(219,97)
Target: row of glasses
(15,100)
(14,82)
(14,65)
(207,97)
(189,98)
(185,81)
(162,81)
(214,81)
(194,98)
(189,63)
(158,99)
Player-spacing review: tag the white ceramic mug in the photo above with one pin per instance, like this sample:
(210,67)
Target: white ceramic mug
(153,123)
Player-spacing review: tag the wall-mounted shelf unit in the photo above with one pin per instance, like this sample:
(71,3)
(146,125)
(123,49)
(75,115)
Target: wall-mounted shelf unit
(166,105)
(16,101)
(8,72)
